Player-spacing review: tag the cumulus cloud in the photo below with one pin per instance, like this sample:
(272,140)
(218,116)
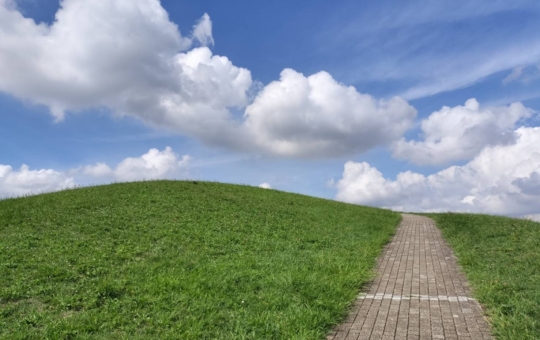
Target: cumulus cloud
(501,179)
(127,57)
(461,132)
(316,115)
(210,85)
(265,186)
(122,55)
(530,184)
(154,164)
(25,181)
(96,53)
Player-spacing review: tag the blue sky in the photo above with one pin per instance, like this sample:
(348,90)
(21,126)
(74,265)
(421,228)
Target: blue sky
(387,142)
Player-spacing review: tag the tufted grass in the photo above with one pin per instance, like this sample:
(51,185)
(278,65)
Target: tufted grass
(501,257)
(182,260)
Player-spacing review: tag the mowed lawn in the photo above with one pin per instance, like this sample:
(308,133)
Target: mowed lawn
(501,257)
(188,260)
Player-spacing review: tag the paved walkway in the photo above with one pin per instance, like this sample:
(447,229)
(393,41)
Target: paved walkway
(419,293)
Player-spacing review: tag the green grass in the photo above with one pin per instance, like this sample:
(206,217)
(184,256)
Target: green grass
(501,257)
(169,260)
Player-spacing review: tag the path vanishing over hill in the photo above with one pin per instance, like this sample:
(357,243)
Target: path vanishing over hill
(419,293)
(199,260)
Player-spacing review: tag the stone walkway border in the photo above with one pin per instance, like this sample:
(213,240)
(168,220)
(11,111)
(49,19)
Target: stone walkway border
(419,292)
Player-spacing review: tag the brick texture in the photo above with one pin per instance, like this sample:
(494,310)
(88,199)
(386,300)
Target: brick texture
(419,292)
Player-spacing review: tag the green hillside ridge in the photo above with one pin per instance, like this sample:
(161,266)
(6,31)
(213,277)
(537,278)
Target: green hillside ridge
(190,260)
(501,258)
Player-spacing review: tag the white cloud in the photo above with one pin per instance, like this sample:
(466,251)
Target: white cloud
(128,57)
(122,55)
(461,132)
(502,179)
(524,75)
(265,186)
(97,170)
(78,62)
(202,31)
(25,181)
(154,164)
(210,85)
(516,73)
(534,217)
(317,116)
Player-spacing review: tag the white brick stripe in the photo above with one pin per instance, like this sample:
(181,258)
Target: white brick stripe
(381,296)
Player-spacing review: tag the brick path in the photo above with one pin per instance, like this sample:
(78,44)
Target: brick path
(419,293)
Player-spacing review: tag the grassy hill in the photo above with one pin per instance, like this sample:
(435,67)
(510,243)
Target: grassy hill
(501,257)
(193,260)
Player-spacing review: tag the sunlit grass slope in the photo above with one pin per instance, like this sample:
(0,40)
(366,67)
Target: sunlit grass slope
(188,260)
(501,257)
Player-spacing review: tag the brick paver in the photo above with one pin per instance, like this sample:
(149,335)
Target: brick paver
(419,293)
